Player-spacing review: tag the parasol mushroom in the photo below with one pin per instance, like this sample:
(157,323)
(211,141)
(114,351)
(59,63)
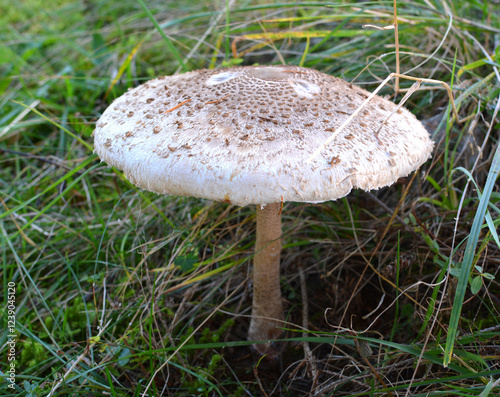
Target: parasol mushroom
(246,135)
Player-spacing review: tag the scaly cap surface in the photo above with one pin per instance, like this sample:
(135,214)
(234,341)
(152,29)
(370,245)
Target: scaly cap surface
(243,135)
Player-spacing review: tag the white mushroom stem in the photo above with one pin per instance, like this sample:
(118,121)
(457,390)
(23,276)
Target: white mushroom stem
(267,312)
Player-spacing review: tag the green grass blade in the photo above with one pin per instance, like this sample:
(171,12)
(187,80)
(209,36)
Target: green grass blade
(169,43)
(492,227)
(469,257)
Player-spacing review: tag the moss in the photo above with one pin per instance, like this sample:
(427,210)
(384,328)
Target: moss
(32,354)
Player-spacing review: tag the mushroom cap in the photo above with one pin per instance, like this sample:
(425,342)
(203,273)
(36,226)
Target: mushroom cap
(245,135)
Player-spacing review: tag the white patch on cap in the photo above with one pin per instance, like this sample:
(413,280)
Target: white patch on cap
(221,78)
(304,88)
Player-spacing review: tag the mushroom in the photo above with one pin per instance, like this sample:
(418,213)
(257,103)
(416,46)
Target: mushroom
(247,135)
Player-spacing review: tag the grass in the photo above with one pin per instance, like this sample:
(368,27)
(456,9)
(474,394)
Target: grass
(123,292)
